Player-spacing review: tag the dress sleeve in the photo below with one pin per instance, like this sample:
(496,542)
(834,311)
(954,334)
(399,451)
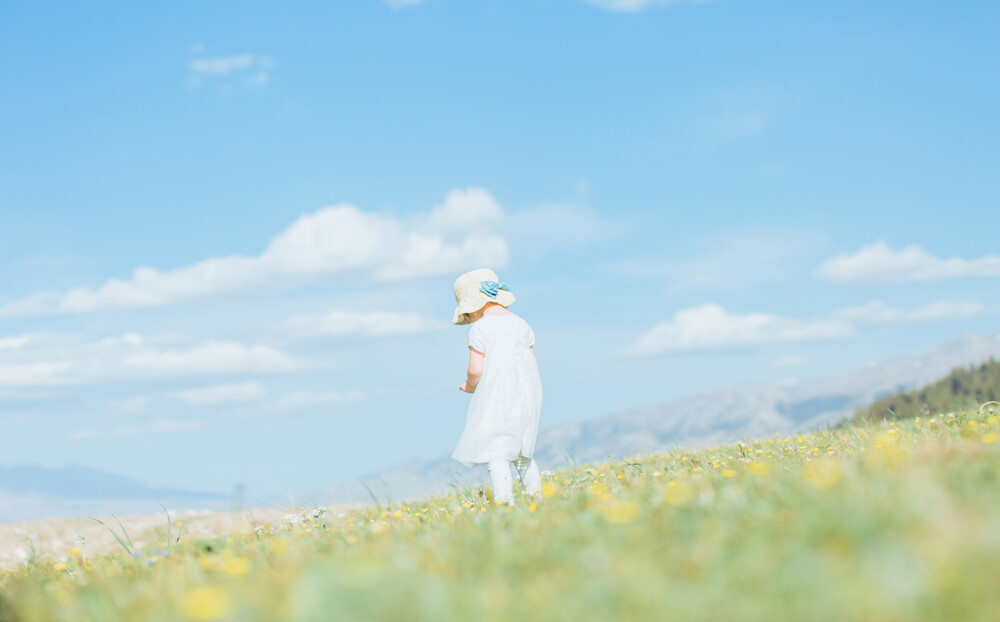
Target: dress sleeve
(531,337)
(477,339)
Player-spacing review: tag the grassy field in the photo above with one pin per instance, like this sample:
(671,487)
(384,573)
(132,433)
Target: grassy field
(897,521)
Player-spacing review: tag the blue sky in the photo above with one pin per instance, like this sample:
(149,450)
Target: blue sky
(231,231)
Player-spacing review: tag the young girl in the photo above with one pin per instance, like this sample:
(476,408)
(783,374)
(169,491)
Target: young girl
(502,423)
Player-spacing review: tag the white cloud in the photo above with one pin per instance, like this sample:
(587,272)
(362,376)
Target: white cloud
(369,324)
(878,263)
(877,312)
(402,4)
(222,393)
(302,399)
(464,231)
(634,6)
(732,259)
(223,65)
(454,236)
(791,361)
(157,426)
(62,360)
(131,404)
(251,69)
(709,326)
(732,124)
(13,343)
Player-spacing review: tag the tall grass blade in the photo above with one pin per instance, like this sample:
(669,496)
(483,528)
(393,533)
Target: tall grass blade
(124,532)
(115,534)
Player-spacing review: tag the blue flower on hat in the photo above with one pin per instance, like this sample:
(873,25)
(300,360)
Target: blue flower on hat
(492,288)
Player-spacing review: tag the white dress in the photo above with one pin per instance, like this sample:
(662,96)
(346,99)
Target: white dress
(502,423)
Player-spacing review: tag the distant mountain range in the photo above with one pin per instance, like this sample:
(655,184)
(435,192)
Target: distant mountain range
(709,418)
(28,492)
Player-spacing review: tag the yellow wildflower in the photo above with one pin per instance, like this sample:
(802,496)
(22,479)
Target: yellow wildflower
(678,494)
(236,567)
(597,489)
(990,437)
(206,603)
(278,546)
(822,473)
(618,510)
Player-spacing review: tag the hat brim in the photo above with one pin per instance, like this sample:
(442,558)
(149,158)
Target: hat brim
(471,304)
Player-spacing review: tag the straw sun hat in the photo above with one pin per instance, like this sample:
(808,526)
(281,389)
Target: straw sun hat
(474,289)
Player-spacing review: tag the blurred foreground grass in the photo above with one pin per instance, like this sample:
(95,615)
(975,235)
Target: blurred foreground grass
(897,521)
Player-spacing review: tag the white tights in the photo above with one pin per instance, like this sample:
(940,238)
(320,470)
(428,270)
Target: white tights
(503,484)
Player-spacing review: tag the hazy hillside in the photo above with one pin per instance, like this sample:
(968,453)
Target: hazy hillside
(699,420)
(29,491)
(963,388)
(883,522)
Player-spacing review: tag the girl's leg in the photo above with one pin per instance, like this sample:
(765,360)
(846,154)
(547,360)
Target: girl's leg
(503,484)
(527,470)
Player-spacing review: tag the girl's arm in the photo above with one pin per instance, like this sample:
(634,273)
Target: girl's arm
(475,372)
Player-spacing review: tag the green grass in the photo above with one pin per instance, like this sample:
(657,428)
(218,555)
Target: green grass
(897,521)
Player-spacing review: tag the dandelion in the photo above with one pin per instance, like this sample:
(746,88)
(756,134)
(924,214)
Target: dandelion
(73,551)
(678,494)
(597,489)
(990,437)
(728,473)
(278,546)
(236,567)
(618,510)
(822,473)
(206,604)
(532,507)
